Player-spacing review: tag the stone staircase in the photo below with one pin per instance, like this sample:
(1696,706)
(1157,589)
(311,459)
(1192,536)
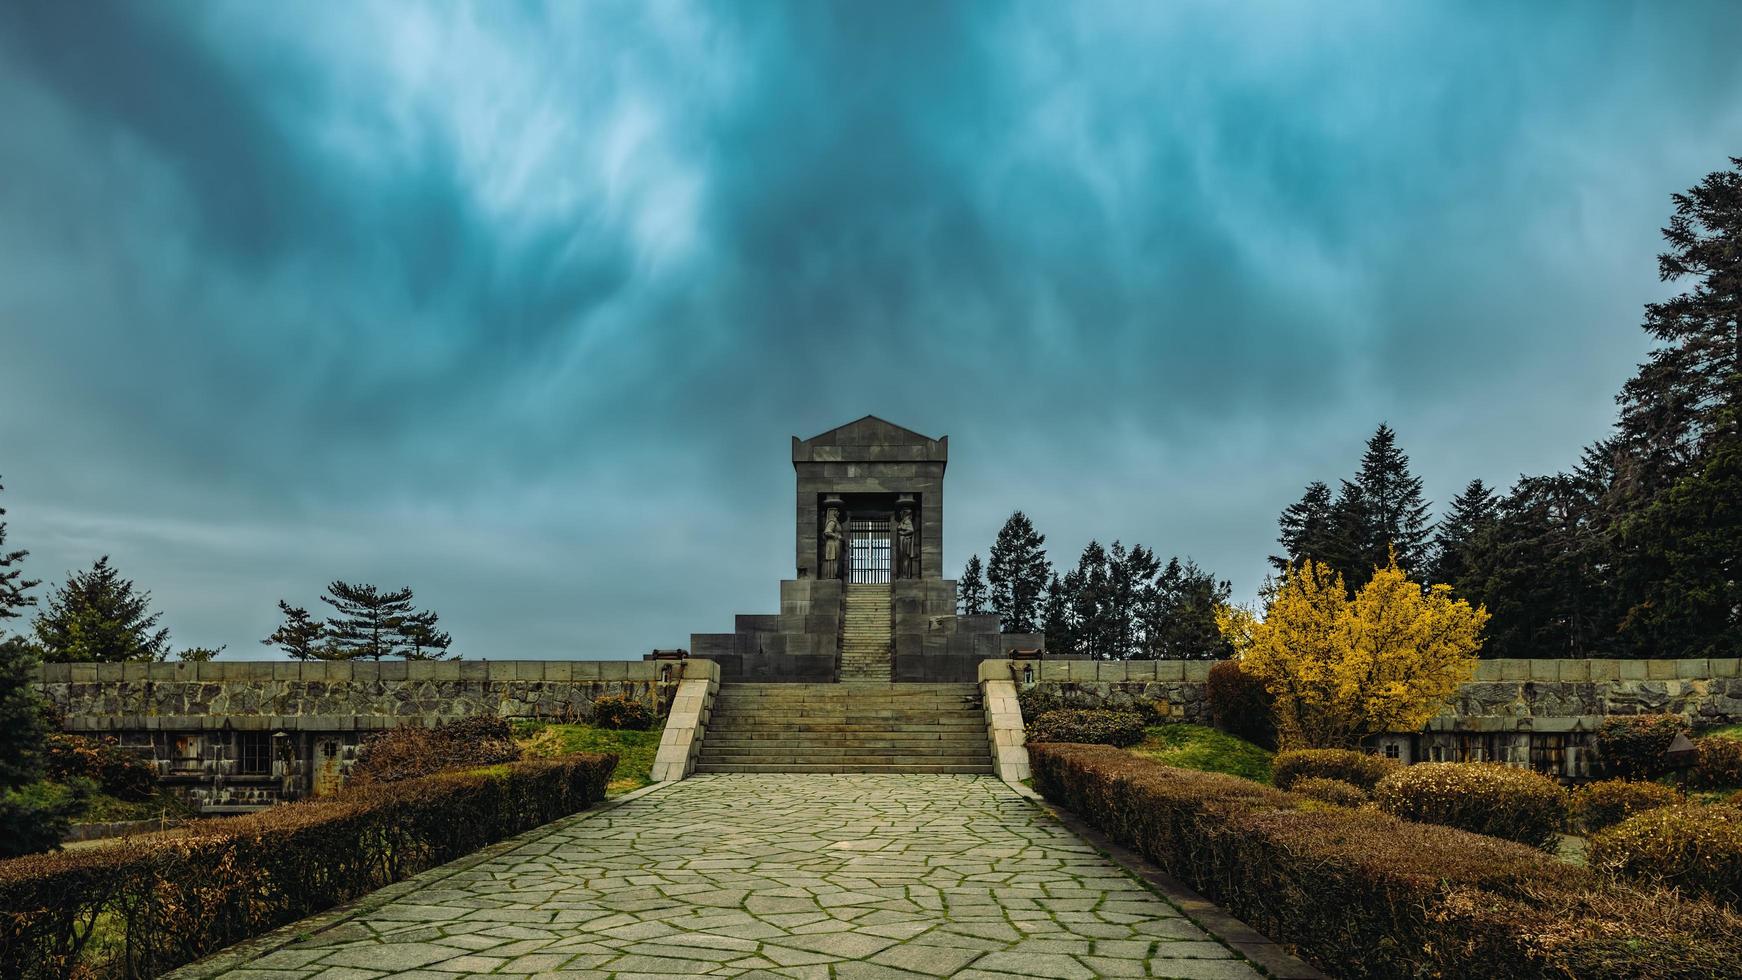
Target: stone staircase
(865,641)
(848,727)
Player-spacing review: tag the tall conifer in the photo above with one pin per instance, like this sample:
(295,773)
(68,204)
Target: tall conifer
(1017,573)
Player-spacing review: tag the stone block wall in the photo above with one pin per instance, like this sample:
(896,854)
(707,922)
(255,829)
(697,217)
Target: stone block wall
(1541,695)
(342,696)
(240,735)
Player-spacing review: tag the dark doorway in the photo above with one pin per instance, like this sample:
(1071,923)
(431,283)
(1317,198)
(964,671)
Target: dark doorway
(870,550)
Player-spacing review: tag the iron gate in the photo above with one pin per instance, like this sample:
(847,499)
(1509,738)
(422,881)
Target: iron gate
(870,551)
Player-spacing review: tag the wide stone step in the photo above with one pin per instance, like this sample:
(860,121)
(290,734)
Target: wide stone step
(883,740)
(858,722)
(849,746)
(964,769)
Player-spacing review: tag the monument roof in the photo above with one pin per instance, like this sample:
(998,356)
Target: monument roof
(869,438)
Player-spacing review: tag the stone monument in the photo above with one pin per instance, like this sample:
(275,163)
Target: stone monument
(869,523)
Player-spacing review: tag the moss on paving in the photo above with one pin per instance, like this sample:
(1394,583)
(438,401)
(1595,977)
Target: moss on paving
(634,750)
(1205,749)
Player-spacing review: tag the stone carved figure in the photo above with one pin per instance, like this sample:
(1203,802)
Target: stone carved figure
(832,538)
(907,544)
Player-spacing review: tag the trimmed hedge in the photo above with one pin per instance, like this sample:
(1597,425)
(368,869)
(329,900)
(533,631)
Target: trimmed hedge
(617,711)
(413,752)
(1240,705)
(122,774)
(1687,846)
(1362,769)
(1610,801)
(171,898)
(1367,895)
(1633,747)
(1332,791)
(1093,726)
(1719,763)
(1481,797)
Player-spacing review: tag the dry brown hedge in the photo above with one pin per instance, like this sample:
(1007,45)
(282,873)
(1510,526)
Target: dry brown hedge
(1687,846)
(1361,769)
(413,751)
(1609,801)
(1332,791)
(1481,797)
(1367,895)
(171,898)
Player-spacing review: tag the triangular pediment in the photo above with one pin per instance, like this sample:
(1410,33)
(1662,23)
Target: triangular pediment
(869,431)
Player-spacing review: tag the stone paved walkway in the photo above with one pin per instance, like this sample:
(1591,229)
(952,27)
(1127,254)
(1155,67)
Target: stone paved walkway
(779,876)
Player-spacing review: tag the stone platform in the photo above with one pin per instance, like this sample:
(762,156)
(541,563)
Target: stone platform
(791,876)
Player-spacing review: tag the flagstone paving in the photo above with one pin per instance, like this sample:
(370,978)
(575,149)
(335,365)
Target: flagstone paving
(806,876)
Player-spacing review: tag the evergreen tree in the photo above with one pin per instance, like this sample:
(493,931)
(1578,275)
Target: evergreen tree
(33,815)
(1329,531)
(1181,622)
(1061,637)
(300,634)
(14,588)
(200,655)
(421,638)
(98,616)
(1471,510)
(367,621)
(1016,573)
(1537,567)
(1087,589)
(971,590)
(21,725)
(1129,597)
(1688,396)
(1305,527)
(1396,515)
(1684,571)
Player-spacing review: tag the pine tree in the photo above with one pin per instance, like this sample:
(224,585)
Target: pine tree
(1181,622)
(368,620)
(1061,637)
(1330,531)
(1684,573)
(421,638)
(1396,514)
(1471,510)
(1688,395)
(14,588)
(300,634)
(1088,588)
(1017,573)
(971,590)
(1537,567)
(99,617)
(1130,593)
(1305,526)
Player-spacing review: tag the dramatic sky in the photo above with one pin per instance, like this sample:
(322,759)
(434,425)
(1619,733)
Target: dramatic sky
(519,306)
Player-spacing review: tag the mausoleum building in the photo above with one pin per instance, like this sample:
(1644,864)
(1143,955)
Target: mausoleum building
(867,600)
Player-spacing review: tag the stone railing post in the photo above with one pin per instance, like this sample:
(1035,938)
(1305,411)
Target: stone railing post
(687,721)
(1003,719)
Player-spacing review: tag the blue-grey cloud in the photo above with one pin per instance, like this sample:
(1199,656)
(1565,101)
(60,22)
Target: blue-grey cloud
(518,304)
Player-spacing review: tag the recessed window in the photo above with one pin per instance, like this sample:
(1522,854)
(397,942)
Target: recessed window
(253,754)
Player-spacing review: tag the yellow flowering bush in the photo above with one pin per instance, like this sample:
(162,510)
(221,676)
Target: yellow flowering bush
(1341,668)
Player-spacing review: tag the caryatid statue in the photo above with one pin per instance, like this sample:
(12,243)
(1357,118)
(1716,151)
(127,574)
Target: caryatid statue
(832,538)
(907,544)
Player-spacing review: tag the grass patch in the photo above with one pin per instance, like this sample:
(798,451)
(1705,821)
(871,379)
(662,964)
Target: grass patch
(163,805)
(634,750)
(1204,749)
(1723,731)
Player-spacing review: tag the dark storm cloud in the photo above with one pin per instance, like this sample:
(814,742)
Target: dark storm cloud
(518,304)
